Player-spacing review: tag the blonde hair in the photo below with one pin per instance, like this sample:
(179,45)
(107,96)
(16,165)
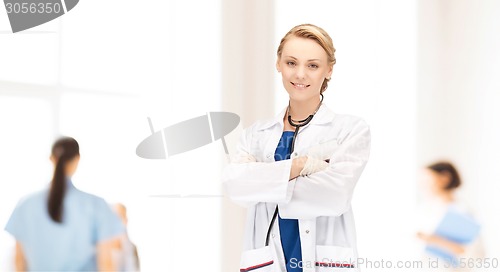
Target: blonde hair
(316,33)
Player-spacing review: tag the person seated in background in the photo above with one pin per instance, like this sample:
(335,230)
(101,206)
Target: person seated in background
(62,228)
(442,180)
(125,252)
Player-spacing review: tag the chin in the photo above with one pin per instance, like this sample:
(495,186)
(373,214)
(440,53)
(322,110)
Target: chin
(302,97)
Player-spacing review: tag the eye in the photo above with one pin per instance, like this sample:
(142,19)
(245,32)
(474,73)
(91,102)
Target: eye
(313,66)
(290,63)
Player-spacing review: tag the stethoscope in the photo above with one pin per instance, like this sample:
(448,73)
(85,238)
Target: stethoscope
(297,125)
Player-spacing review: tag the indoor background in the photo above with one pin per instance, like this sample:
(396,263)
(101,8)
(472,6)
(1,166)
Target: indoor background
(422,73)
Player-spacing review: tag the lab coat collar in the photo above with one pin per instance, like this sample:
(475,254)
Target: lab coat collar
(323,116)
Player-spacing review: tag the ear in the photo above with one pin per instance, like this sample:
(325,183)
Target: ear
(278,65)
(329,73)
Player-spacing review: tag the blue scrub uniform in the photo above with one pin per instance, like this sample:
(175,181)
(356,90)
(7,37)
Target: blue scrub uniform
(289,228)
(66,246)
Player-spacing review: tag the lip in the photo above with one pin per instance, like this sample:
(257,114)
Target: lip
(300,86)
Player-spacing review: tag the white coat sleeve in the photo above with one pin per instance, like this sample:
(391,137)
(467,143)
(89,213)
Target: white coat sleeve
(248,182)
(329,192)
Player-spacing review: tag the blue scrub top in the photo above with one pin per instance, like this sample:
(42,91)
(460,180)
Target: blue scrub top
(66,246)
(289,228)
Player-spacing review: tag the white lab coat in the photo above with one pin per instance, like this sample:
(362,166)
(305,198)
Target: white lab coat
(321,202)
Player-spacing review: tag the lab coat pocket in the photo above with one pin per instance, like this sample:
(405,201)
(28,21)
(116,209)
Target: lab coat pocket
(258,260)
(335,258)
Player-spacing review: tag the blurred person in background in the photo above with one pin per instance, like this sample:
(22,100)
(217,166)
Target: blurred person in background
(125,252)
(62,228)
(441,182)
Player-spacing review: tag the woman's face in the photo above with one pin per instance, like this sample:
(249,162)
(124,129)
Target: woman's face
(436,182)
(304,66)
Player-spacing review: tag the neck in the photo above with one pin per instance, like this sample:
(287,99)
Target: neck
(300,110)
(446,196)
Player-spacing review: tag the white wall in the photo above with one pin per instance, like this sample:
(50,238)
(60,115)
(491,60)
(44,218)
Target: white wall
(424,74)
(96,74)
(458,98)
(247,89)
(374,78)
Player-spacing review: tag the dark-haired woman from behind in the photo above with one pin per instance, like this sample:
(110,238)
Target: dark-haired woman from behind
(441,182)
(62,228)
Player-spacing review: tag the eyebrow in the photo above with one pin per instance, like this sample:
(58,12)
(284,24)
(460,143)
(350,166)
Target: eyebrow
(296,58)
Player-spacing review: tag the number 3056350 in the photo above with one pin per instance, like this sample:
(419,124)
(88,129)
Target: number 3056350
(33,8)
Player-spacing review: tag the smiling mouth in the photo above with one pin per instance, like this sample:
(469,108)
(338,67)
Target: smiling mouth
(300,85)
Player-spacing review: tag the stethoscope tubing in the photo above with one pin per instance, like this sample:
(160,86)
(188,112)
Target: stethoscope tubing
(297,126)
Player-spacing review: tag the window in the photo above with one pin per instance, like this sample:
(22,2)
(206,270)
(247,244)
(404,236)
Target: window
(96,74)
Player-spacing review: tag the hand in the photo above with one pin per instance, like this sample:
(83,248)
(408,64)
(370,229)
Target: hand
(441,242)
(297,166)
(243,159)
(313,165)
(423,236)
(306,165)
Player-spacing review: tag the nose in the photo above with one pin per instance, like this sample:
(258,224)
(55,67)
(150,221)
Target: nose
(300,72)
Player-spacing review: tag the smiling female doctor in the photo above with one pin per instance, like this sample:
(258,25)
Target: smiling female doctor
(296,173)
